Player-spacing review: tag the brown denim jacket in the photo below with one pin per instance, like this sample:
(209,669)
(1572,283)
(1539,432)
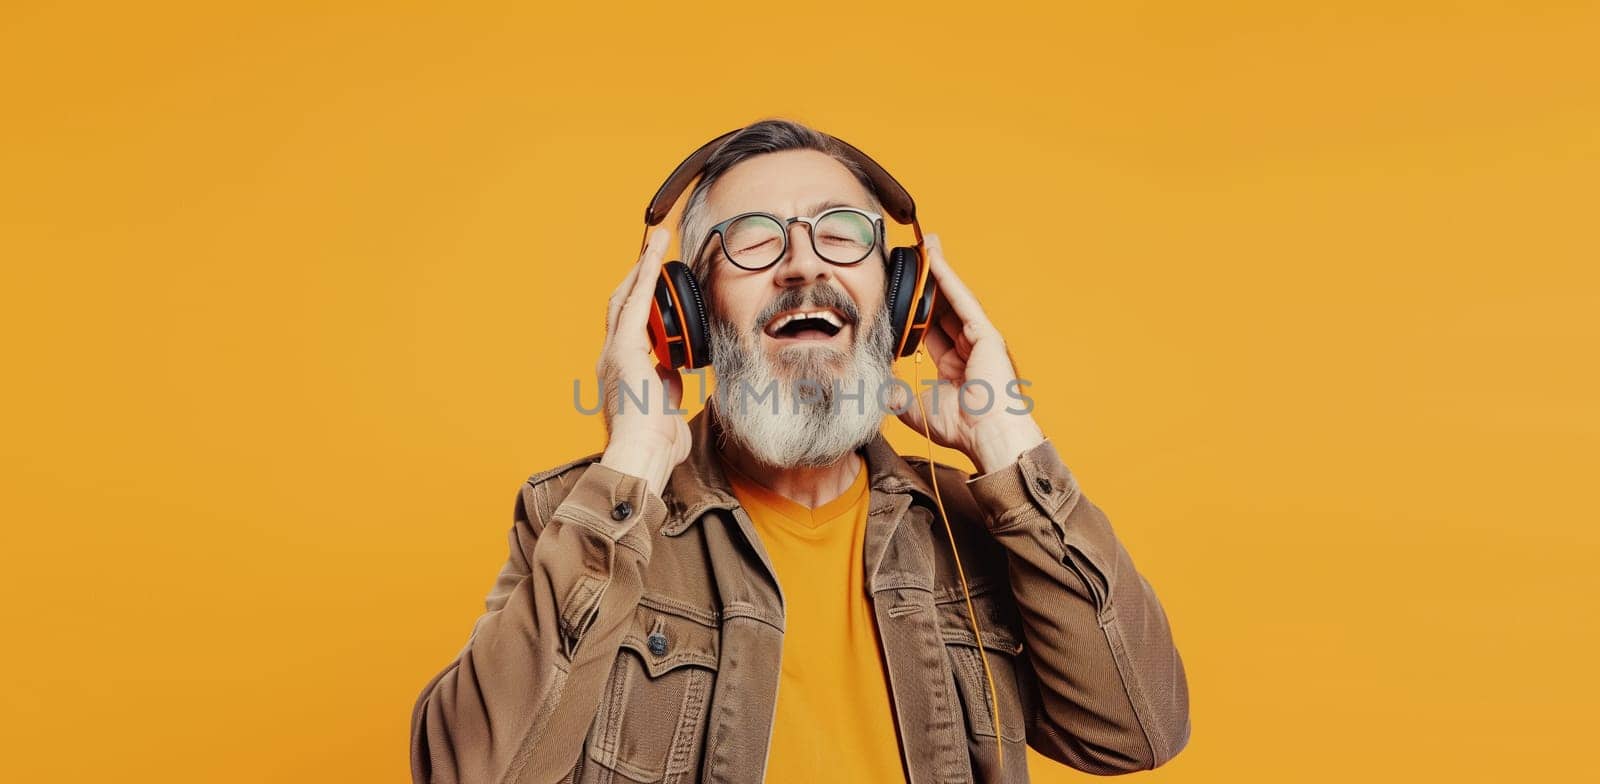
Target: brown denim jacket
(632,637)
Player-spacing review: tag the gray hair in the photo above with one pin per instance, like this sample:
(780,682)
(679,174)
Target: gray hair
(766,136)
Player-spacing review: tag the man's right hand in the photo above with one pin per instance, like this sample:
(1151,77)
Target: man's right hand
(645,441)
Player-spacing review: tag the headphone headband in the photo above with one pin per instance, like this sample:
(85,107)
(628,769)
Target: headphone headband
(896,200)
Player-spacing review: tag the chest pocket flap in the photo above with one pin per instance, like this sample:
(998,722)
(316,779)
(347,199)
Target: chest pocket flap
(653,712)
(998,620)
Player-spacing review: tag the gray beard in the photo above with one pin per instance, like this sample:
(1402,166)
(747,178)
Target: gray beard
(804,420)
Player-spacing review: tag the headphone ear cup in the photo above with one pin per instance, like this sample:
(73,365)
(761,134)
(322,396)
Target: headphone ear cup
(910,299)
(680,333)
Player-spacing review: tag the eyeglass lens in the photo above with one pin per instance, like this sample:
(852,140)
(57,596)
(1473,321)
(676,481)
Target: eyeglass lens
(841,237)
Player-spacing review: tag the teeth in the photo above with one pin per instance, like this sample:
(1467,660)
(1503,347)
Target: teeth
(826,315)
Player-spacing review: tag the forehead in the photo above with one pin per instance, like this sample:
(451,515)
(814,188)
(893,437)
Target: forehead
(786,183)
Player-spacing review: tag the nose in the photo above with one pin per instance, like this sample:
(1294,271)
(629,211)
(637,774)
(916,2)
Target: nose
(800,265)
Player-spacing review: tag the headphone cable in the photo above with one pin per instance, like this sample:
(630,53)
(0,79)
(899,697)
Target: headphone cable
(972,615)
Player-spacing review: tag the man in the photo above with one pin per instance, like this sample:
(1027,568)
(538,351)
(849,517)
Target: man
(768,592)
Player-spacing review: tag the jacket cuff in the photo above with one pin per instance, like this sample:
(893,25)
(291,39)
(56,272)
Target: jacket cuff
(614,504)
(1036,482)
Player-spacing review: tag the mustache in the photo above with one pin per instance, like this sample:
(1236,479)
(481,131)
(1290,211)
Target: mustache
(819,295)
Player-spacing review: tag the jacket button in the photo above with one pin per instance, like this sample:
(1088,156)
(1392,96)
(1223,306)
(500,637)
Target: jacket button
(621,511)
(1043,483)
(657,642)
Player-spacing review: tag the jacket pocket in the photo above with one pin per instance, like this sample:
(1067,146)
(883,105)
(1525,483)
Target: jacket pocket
(1002,643)
(651,722)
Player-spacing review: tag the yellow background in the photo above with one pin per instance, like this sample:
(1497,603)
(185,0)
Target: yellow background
(294,297)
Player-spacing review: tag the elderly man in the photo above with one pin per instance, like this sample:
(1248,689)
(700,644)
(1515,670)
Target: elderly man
(770,592)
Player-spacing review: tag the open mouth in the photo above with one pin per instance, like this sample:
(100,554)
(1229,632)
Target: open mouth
(817,324)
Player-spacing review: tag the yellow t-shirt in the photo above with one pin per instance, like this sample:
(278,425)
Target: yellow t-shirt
(834,722)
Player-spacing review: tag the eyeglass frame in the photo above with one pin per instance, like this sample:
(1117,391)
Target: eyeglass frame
(720,232)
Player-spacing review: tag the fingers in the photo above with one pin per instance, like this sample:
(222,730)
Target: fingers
(956,330)
(961,298)
(636,309)
(620,295)
(901,402)
(937,341)
(943,352)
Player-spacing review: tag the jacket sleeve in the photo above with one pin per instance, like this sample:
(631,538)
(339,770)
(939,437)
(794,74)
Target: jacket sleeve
(1113,695)
(517,701)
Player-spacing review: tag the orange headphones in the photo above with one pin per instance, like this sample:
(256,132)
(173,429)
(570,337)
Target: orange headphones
(680,330)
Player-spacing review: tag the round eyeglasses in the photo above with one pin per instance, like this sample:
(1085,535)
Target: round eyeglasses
(756,240)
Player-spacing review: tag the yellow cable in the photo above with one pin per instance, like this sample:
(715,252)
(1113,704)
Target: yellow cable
(972,615)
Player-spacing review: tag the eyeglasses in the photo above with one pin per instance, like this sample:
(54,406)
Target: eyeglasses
(756,240)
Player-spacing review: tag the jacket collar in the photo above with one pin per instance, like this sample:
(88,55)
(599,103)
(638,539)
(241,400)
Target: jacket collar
(698,484)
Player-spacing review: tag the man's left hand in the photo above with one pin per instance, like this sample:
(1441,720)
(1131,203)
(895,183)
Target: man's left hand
(970,356)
